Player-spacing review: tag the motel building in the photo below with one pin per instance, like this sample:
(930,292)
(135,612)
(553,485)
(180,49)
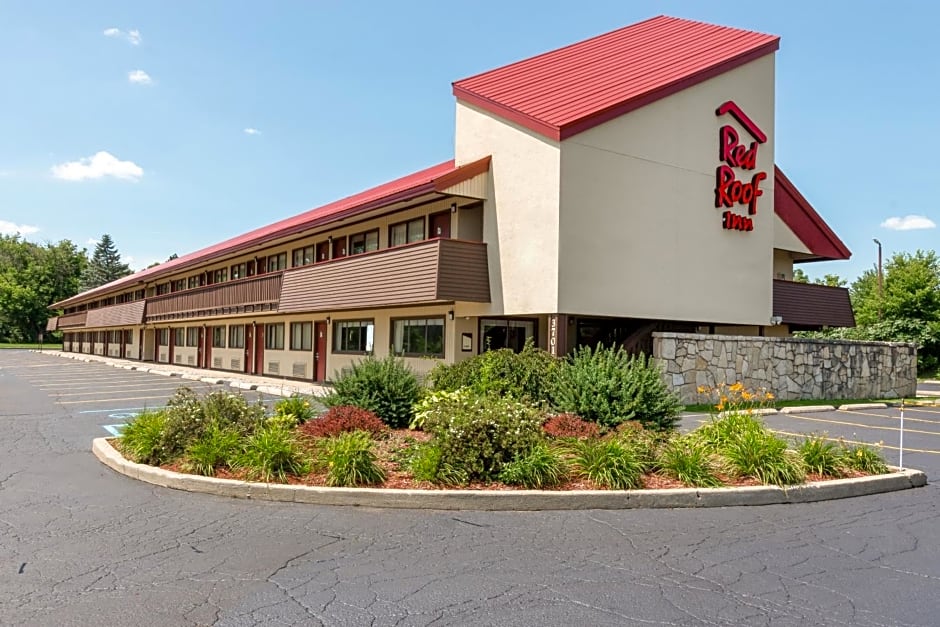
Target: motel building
(600,192)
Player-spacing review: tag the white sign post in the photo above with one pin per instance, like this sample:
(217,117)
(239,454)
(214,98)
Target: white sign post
(901,443)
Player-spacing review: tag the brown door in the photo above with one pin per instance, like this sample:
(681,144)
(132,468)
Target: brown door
(249,338)
(140,345)
(319,351)
(439,224)
(323,252)
(123,343)
(172,343)
(259,349)
(199,350)
(207,348)
(339,247)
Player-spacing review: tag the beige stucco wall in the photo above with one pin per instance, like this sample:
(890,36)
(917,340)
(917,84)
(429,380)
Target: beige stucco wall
(640,235)
(520,215)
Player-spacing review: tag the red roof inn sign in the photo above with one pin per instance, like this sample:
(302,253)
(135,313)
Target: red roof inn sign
(735,155)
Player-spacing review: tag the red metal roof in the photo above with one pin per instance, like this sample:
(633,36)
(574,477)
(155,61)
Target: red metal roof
(430,180)
(566,91)
(806,224)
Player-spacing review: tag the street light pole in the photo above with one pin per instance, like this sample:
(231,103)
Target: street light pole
(880,284)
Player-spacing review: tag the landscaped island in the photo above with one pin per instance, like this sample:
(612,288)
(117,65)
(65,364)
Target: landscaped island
(502,420)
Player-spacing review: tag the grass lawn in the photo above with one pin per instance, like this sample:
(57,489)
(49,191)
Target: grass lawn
(52,347)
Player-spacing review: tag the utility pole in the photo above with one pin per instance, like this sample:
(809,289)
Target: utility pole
(881,289)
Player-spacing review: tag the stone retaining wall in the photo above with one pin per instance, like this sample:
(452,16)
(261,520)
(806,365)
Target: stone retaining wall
(790,368)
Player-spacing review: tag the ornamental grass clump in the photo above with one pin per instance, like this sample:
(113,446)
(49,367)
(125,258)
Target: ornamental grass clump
(760,454)
(426,464)
(688,460)
(271,453)
(608,463)
(864,459)
(540,467)
(478,434)
(822,457)
(609,386)
(217,447)
(349,460)
(142,438)
(387,387)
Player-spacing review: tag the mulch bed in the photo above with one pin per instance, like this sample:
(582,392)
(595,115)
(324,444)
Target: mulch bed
(398,478)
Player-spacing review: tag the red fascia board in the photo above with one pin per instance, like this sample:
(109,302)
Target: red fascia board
(587,122)
(798,214)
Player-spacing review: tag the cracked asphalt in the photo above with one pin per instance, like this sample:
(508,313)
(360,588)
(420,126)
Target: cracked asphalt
(82,545)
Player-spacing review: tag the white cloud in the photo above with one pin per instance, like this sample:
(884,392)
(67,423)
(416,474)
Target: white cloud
(9,228)
(139,77)
(92,241)
(909,223)
(252,131)
(95,167)
(132,36)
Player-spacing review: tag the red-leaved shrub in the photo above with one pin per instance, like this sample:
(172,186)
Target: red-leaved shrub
(570,426)
(343,418)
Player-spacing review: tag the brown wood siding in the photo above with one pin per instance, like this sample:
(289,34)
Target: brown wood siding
(810,305)
(125,314)
(405,275)
(218,299)
(72,320)
(52,324)
(463,273)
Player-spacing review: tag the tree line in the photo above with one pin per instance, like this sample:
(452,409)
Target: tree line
(33,276)
(904,308)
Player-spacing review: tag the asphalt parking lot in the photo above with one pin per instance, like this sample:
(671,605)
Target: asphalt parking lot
(82,545)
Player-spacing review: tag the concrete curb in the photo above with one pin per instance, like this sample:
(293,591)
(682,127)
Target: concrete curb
(807,409)
(512,500)
(851,406)
(757,411)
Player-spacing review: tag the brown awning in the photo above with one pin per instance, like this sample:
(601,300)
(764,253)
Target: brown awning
(52,324)
(125,314)
(809,305)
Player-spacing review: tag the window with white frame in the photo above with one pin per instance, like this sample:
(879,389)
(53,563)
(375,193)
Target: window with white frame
(236,336)
(192,336)
(274,336)
(353,336)
(301,336)
(418,337)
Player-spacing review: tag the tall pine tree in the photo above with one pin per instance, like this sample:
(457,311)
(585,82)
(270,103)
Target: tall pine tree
(105,265)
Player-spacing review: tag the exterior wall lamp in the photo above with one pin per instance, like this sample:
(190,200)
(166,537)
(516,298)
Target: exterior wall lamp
(450,314)
(776,320)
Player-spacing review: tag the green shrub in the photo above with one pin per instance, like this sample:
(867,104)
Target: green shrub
(386,386)
(142,439)
(864,459)
(426,465)
(271,453)
(350,460)
(609,386)
(822,457)
(644,443)
(478,434)
(436,402)
(188,417)
(297,406)
(217,447)
(688,460)
(540,467)
(761,454)
(343,419)
(526,375)
(607,463)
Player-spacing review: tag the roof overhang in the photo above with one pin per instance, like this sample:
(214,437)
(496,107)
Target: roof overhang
(798,214)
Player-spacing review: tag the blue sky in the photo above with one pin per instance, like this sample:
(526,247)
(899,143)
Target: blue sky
(344,96)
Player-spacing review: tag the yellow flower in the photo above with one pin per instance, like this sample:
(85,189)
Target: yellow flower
(737,387)
(769,396)
(701,389)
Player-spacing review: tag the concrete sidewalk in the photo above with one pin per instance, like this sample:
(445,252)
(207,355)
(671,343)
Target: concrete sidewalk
(267,385)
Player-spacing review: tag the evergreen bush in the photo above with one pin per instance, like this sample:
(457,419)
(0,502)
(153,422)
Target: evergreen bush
(387,387)
(609,386)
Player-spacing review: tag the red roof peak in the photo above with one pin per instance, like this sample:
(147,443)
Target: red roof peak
(569,90)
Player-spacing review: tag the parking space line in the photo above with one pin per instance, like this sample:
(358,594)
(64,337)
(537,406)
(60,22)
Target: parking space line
(860,425)
(889,417)
(98,385)
(117,409)
(114,400)
(149,388)
(882,445)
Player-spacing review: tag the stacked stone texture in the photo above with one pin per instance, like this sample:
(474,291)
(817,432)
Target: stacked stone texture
(790,368)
